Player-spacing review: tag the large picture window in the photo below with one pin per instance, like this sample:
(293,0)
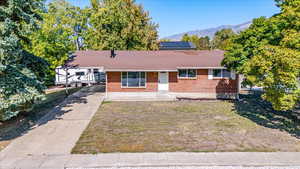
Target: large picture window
(187,73)
(221,73)
(133,79)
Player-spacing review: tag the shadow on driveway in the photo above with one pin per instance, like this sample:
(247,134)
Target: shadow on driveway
(56,113)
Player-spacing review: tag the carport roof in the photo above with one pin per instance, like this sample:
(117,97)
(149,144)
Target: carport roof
(149,60)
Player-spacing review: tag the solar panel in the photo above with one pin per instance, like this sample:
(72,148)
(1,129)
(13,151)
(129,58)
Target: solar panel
(177,45)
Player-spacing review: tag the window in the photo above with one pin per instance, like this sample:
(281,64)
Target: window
(79,73)
(221,73)
(217,72)
(133,79)
(226,73)
(187,73)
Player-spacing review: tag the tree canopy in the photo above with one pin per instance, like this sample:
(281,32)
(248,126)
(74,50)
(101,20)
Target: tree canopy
(121,25)
(222,39)
(20,71)
(268,54)
(201,43)
(60,34)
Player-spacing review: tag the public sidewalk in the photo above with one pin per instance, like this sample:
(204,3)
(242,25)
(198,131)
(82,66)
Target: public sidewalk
(230,160)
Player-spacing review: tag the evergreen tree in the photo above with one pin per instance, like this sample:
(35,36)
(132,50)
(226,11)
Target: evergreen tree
(20,71)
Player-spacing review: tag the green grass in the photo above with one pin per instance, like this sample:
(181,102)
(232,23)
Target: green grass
(190,126)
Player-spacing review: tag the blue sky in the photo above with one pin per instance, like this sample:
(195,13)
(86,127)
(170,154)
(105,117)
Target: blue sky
(177,16)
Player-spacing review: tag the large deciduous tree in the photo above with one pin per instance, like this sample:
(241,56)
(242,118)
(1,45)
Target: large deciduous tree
(20,71)
(268,54)
(222,39)
(61,33)
(121,25)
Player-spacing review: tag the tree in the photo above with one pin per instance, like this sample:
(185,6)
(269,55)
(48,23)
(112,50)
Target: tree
(201,43)
(268,54)
(186,38)
(61,33)
(120,25)
(222,39)
(204,43)
(20,71)
(165,40)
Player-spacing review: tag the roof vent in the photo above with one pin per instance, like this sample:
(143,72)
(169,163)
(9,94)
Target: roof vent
(112,53)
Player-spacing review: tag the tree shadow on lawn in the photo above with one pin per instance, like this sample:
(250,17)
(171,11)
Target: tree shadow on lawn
(33,120)
(253,107)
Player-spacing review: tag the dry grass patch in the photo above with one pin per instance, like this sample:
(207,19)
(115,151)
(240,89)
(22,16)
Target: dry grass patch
(190,126)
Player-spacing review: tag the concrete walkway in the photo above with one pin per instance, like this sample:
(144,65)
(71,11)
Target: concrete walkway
(157,160)
(57,132)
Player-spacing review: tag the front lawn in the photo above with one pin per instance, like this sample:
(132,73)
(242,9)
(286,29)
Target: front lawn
(190,126)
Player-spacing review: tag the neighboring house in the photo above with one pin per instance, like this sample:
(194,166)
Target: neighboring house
(79,75)
(176,45)
(192,74)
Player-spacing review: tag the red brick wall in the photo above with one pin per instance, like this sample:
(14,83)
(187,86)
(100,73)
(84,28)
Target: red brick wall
(114,83)
(201,84)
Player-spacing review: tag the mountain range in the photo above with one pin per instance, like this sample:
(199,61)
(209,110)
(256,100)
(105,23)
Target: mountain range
(210,32)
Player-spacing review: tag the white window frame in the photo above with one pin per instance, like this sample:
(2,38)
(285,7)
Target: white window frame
(211,74)
(139,81)
(187,71)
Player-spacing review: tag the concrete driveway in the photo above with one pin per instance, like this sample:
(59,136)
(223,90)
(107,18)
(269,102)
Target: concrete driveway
(57,132)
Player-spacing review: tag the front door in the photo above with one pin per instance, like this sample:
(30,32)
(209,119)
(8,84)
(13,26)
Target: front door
(163,81)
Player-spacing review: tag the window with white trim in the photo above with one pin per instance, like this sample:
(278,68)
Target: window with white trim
(187,73)
(221,73)
(133,79)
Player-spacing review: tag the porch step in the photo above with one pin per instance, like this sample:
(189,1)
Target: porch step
(150,96)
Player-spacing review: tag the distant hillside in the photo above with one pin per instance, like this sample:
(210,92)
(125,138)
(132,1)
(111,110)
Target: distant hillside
(211,31)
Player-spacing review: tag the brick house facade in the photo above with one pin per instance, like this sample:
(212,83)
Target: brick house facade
(179,73)
(200,84)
